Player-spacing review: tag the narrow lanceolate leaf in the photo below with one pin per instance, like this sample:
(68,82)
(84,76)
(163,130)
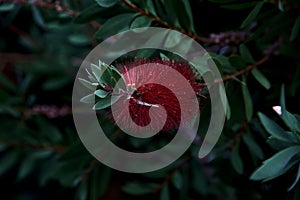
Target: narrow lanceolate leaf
(88,99)
(296,29)
(252,145)
(177,180)
(252,15)
(261,78)
(245,53)
(115,25)
(247,102)
(105,102)
(276,165)
(164,193)
(289,119)
(106,3)
(88,84)
(236,160)
(275,130)
(140,21)
(296,180)
(101,93)
(137,188)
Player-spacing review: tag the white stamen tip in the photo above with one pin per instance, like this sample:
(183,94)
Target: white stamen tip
(277,109)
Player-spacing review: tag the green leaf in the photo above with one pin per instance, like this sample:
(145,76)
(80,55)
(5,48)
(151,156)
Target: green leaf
(78,39)
(138,188)
(88,84)
(7,7)
(26,167)
(172,39)
(38,18)
(247,101)
(289,119)
(189,13)
(8,160)
(280,6)
(221,1)
(252,145)
(239,6)
(82,191)
(276,165)
(261,78)
(106,3)
(6,83)
(237,62)
(177,180)
(101,93)
(99,181)
(105,102)
(296,180)
(236,160)
(245,53)
(164,193)
(295,29)
(140,21)
(252,15)
(88,99)
(115,25)
(225,102)
(275,130)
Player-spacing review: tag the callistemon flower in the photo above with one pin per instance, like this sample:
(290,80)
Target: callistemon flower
(145,92)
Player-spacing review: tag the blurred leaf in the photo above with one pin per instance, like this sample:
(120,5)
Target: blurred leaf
(106,3)
(115,25)
(26,167)
(296,29)
(140,21)
(280,6)
(7,7)
(245,53)
(7,84)
(252,145)
(240,6)
(237,62)
(252,15)
(138,188)
(99,181)
(82,191)
(276,165)
(8,160)
(296,180)
(164,193)
(236,160)
(247,101)
(222,1)
(56,83)
(78,39)
(261,78)
(38,17)
(177,180)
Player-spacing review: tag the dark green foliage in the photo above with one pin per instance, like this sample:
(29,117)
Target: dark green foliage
(256,46)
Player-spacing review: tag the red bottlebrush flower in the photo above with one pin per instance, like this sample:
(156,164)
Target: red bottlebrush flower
(145,91)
